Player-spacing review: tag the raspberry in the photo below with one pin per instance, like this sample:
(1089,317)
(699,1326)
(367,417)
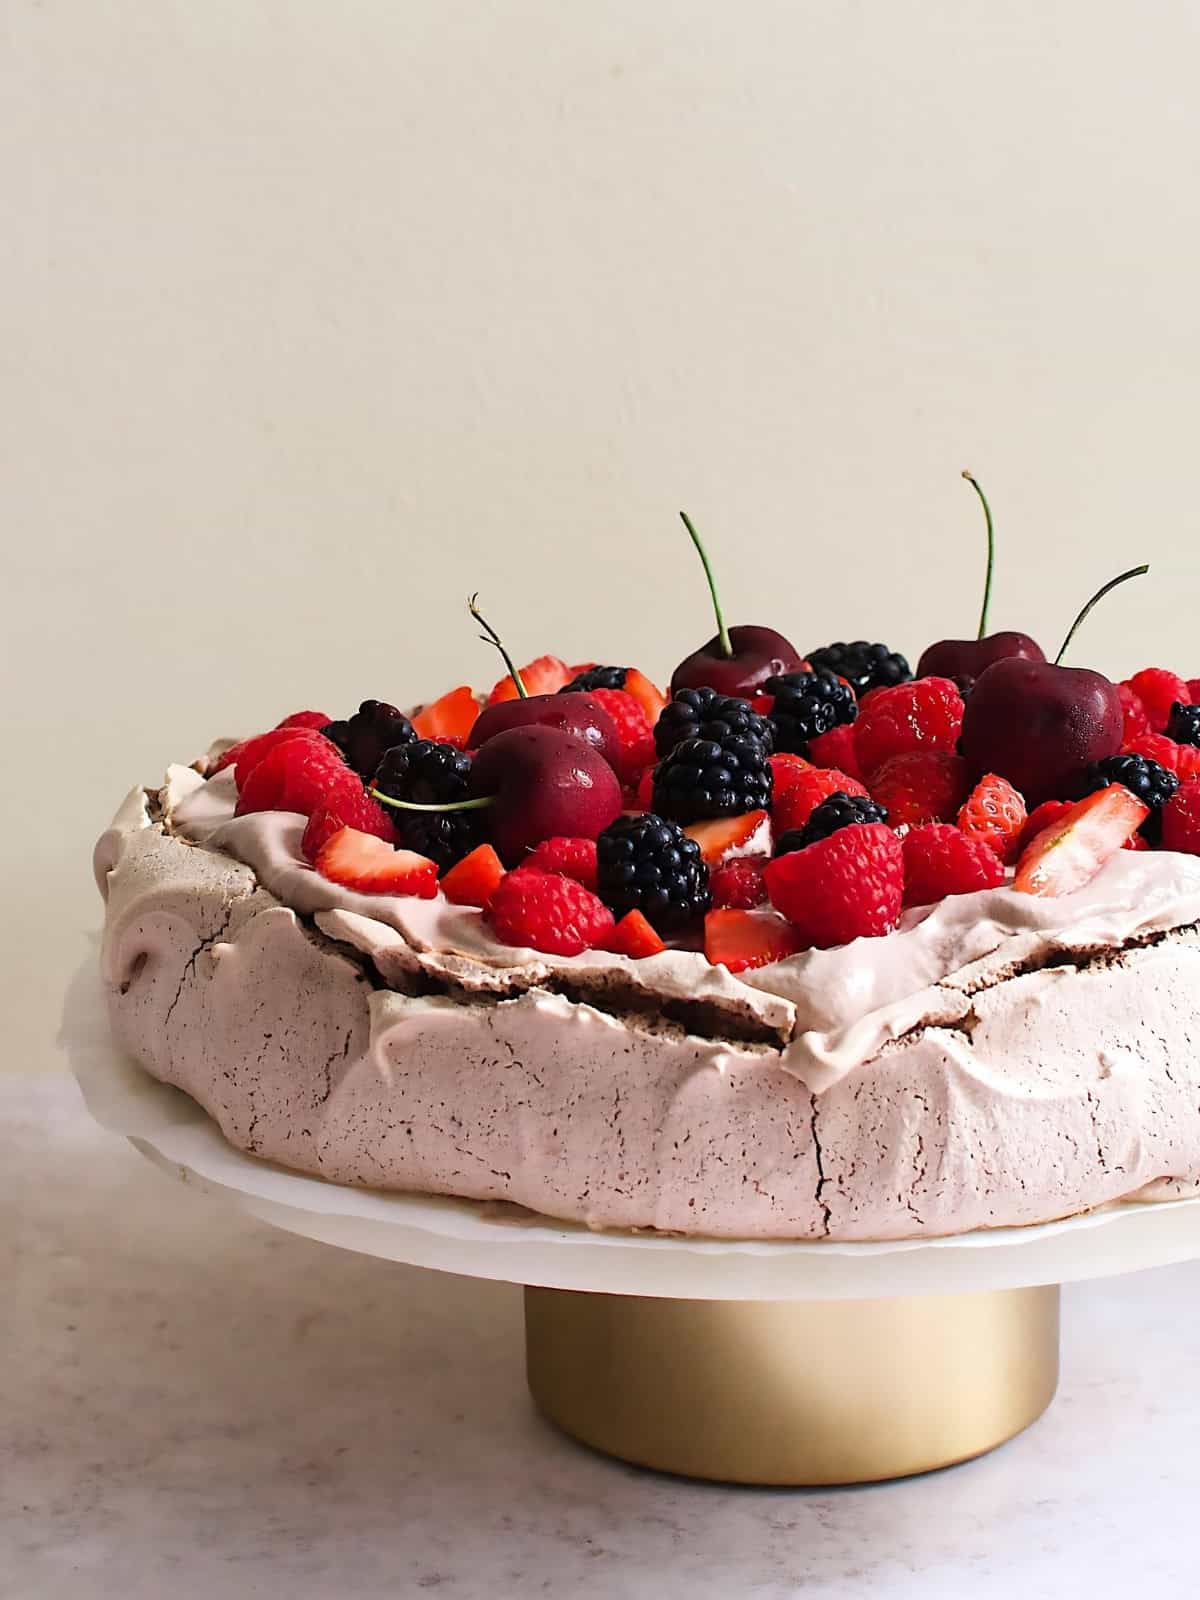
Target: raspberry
(305,719)
(1194,690)
(921,786)
(347,811)
(995,813)
(1041,818)
(573,858)
(633,729)
(786,770)
(835,749)
(1158,690)
(301,774)
(846,887)
(924,715)
(1181,759)
(544,911)
(801,798)
(739,885)
(1181,820)
(244,757)
(939,860)
(1136,720)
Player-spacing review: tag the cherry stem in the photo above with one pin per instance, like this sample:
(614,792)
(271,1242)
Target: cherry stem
(722,630)
(490,636)
(1134,572)
(415,805)
(991,555)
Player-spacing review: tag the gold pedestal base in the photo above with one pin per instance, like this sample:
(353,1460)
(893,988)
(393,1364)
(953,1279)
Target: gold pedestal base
(793,1392)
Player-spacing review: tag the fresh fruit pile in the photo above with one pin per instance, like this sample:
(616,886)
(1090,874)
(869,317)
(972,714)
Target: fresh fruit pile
(773,803)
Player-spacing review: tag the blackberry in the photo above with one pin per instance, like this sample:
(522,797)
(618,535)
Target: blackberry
(841,810)
(374,728)
(710,778)
(864,666)
(705,714)
(1184,726)
(807,704)
(430,774)
(1153,784)
(648,864)
(596,678)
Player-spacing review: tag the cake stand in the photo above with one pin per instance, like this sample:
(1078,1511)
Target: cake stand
(741,1361)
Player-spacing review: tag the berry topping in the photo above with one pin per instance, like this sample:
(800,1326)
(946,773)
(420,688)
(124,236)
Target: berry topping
(473,880)
(1193,685)
(939,860)
(428,774)
(724,834)
(1181,759)
(634,937)
(545,911)
(301,774)
(1183,726)
(705,714)
(542,783)
(373,729)
(806,705)
(924,715)
(739,884)
(848,886)
(841,810)
(643,790)
(305,719)
(1153,784)
(742,940)
(648,696)
(1159,690)
(1072,850)
(995,813)
(362,862)
(349,810)
(244,757)
(597,678)
(635,736)
(706,778)
(1134,712)
(921,786)
(836,749)
(1041,818)
(864,666)
(450,718)
(545,675)
(647,863)
(573,858)
(805,790)
(1181,820)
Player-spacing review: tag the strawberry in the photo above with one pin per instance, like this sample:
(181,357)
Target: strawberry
(742,940)
(1071,852)
(1040,818)
(634,937)
(348,810)
(925,714)
(1136,720)
(995,813)
(302,774)
(651,698)
(246,756)
(836,749)
(939,860)
(739,884)
(800,799)
(634,730)
(718,836)
(473,880)
(847,886)
(1158,691)
(450,718)
(1181,759)
(1181,819)
(573,858)
(545,911)
(921,786)
(546,675)
(366,864)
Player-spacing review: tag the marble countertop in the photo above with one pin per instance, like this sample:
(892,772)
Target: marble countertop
(195,1405)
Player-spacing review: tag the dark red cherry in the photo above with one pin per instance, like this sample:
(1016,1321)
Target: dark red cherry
(577,714)
(542,783)
(735,660)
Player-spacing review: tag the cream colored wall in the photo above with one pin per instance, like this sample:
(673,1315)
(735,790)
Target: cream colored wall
(318,316)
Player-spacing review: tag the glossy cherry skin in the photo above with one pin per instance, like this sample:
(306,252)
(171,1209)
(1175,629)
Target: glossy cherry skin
(964,660)
(546,784)
(576,713)
(1041,726)
(758,654)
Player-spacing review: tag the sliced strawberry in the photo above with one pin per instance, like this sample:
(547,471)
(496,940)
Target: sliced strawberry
(741,940)
(305,719)
(739,883)
(299,775)
(546,675)
(473,880)
(366,864)
(1072,850)
(450,718)
(634,937)
(648,695)
(719,836)
(346,811)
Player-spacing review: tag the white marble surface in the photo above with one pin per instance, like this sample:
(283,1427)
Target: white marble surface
(194,1405)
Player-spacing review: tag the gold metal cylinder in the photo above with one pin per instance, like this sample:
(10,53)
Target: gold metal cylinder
(793,1392)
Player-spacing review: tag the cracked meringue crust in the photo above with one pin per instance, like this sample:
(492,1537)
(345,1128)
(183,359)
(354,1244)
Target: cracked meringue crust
(999,1060)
